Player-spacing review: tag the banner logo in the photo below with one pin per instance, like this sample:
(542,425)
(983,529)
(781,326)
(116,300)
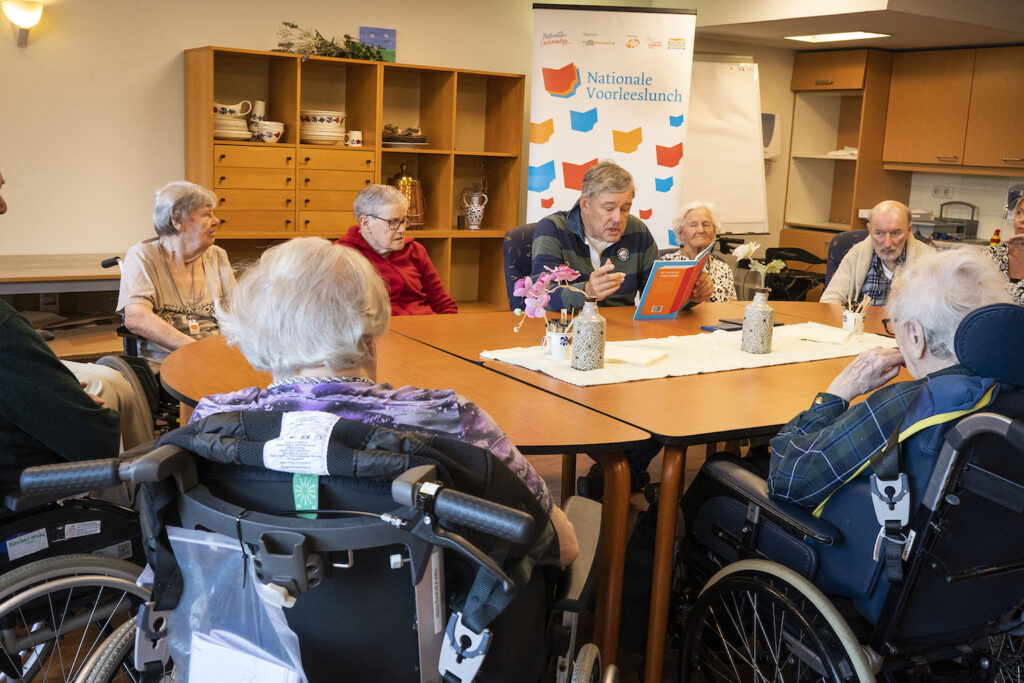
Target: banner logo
(562,82)
(554,38)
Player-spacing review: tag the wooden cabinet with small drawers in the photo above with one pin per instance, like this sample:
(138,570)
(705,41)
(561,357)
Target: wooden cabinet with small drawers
(472,122)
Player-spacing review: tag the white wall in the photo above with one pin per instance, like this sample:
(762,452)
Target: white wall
(91,112)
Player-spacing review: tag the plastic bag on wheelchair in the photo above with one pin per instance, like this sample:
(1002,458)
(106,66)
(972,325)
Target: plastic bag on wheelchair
(223,596)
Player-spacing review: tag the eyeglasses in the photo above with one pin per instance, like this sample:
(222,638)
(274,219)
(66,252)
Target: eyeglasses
(393,223)
(889,328)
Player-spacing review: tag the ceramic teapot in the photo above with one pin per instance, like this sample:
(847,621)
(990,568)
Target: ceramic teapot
(474,203)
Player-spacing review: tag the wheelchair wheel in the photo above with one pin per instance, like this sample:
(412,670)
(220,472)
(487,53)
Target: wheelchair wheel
(757,620)
(588,665)
(1007,651)
(55,612)
(113,661)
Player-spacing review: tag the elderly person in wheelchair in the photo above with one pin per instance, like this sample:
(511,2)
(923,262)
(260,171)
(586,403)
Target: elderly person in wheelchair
(171,282)
(879,517)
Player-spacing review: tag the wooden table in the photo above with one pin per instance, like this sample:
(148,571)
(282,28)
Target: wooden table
(679,411)
(33,274)
(550,425)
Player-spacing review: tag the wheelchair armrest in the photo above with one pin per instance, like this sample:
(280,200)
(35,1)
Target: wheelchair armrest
(19,501)
(577,581)
(748,485)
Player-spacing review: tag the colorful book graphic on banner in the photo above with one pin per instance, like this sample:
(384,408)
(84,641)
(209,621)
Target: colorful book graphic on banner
(670,286)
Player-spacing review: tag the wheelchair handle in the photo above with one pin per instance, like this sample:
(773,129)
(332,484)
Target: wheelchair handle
(110,262)
(71,477)
(483,515)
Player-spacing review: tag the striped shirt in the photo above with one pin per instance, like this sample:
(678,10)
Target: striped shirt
(559,238)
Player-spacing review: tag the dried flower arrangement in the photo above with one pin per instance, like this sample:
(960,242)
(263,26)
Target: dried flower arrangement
(311,42)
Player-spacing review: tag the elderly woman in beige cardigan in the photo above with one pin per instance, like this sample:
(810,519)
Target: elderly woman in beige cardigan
(868,267)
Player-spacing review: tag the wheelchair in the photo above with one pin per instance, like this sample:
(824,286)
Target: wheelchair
(459,588)
(164,408)
(69,569)
(913,574)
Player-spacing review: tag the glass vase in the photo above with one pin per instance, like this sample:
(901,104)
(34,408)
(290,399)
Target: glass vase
(758,322)
(588,330)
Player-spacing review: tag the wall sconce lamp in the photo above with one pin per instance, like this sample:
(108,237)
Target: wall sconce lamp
(24,15)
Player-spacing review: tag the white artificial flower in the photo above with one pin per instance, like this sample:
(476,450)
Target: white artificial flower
(746,250)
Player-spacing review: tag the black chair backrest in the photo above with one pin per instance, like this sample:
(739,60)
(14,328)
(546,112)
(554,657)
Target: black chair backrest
(837,249)
(517,253)
(988,342)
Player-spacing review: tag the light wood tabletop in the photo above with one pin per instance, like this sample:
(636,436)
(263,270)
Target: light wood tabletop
(56,273)
(679,411)
(536,421)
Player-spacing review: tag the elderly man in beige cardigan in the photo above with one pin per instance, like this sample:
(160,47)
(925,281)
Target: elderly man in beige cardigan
(868,267)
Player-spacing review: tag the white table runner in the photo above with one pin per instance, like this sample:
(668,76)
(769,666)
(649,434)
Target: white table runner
(628,361)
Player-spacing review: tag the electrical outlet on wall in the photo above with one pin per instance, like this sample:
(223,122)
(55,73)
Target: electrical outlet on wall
(942,191)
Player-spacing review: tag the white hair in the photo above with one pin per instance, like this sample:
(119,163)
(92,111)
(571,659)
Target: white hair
(939,287)
(306,303)
(175,202)
(374,199)
(680,220)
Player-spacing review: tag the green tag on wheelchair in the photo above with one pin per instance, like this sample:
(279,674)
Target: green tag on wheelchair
(306,492)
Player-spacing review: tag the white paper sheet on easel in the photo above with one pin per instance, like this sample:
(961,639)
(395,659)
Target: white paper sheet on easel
(221,656)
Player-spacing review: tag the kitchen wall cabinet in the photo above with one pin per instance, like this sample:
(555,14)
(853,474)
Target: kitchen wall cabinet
(840,70)
(928,104)
(957,111)
(472,120)
(995,136)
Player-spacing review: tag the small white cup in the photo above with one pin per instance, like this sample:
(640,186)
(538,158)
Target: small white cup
(354,138)
(853,321)
(556,345)
(259,111)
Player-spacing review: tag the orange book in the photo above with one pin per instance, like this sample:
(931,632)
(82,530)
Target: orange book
(670,286)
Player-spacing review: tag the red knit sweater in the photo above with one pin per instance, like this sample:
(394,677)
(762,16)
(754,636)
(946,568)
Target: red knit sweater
(412,280)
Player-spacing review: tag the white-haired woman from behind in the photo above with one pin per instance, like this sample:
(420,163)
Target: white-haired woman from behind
(311,313)
(170,283)
(696,226)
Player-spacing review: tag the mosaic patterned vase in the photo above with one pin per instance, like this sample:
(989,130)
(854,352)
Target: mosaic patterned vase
(758,322)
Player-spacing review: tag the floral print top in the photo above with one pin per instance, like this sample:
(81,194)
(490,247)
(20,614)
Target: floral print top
(1001,254)
(408,409)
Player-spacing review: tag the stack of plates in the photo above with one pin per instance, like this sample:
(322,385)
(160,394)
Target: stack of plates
(321,126)
(226,127)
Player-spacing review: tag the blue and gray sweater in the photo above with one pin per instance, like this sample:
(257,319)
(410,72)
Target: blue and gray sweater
(559,239)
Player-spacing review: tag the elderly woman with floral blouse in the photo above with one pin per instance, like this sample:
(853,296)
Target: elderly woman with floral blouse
(696,226)
(311,313)
(1009,256)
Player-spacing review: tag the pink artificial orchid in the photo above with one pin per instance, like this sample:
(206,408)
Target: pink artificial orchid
(536,294)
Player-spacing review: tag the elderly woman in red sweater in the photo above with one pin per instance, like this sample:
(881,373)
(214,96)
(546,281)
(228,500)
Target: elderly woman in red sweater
(413,284)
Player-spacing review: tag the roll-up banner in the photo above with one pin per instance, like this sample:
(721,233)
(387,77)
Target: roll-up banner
(609,83)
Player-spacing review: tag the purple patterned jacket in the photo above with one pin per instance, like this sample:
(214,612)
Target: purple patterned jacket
(431,411)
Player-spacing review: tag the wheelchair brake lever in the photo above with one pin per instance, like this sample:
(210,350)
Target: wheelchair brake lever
(425,529)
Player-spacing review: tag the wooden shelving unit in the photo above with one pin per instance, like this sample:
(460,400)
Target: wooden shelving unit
(840,101)
(473,121)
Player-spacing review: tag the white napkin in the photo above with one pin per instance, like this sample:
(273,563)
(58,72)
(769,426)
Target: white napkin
(814,332)
(633,355)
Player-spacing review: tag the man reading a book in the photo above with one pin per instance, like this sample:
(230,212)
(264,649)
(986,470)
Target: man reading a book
(612,250)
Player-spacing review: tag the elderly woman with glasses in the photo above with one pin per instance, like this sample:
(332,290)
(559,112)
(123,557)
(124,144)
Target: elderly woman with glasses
(311,313)
(171,282)
(696,226)
(414,286)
